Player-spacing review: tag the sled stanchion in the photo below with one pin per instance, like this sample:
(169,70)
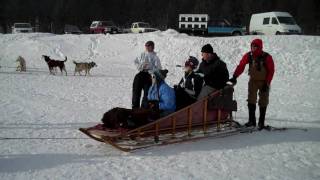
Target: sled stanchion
(156,137)
(174,119)
(189,121)
(219,118)
(205,116)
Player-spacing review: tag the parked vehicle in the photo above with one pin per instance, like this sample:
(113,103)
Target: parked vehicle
(71,29)
(273,23)
(22,28)
(103,27)
(200,24)
(142,27)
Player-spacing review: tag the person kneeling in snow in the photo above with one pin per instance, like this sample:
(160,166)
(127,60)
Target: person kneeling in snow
(189,86)
(161,96)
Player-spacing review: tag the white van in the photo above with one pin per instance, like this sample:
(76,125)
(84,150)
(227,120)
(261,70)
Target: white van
(270,23)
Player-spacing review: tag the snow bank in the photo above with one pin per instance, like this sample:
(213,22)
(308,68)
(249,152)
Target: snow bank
(35,104)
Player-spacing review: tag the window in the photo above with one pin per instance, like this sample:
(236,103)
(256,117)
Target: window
(189,25)
(196,26)
(274,21)
(136,26)
(286,20)
(189,18)
(196,19)
(183,26)
(266,20)
(183,19)
(203,26)
(203,19)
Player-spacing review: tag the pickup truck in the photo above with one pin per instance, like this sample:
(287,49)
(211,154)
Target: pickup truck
(223,27)
(199,24)
(142,27)
(97,27)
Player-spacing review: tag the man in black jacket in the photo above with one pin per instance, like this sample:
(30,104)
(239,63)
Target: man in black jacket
(213,70)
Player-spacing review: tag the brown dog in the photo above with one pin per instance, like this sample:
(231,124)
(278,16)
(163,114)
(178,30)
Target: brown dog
(83,66)
(55,63)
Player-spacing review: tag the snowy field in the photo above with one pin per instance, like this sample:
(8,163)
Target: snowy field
(40,113)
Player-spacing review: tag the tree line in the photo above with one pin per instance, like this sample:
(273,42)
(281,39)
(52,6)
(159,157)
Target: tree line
(52,15)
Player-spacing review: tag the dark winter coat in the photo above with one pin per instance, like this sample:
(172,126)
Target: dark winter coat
(215,72)
(192,84)
(188,90)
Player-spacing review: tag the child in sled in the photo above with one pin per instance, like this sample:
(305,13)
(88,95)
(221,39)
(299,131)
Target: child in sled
(190,84)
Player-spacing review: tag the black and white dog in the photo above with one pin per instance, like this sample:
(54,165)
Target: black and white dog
(52,64)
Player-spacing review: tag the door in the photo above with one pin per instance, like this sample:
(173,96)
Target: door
(274,26)
(266,26)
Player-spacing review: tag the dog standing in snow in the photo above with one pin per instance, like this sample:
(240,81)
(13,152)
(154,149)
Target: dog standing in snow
(83,66)
(21,64)
(52,64)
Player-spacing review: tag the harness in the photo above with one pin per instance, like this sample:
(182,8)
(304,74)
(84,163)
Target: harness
(260,60)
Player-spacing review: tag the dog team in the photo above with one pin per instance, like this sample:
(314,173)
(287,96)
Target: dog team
(53,64)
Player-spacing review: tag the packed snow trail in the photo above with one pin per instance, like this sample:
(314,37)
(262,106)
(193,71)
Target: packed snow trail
(35,105)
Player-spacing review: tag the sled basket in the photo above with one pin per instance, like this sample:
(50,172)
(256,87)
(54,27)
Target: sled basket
(208,117)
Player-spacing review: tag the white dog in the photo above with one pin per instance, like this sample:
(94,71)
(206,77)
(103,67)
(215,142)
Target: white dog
(21,64)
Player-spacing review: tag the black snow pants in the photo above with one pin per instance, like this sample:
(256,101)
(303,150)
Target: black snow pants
(142,81)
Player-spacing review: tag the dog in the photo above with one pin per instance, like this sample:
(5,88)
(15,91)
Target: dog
(21,64)
(52,64)
(83,66)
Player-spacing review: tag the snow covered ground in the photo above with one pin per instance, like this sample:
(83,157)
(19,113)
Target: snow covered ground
(46,110)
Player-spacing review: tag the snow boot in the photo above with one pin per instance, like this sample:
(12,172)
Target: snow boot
(262,118)
(252,116)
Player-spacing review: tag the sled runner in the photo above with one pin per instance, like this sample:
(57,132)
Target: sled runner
(208,117)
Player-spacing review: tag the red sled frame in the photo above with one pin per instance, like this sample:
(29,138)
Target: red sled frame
(208,117)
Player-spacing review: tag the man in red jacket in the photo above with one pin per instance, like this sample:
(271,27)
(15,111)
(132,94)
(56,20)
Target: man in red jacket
(261,70)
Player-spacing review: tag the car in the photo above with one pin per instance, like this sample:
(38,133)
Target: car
(142,27)
(97,27)
(22,28)
(271,23)
(71,29)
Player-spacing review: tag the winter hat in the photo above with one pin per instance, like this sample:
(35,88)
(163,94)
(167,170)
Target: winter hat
(160,74)
(149,43)
(207,49)
(192,62)
(259,44)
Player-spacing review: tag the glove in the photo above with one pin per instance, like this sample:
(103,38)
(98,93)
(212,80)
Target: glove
(265,87)
(233,80)
(177,87)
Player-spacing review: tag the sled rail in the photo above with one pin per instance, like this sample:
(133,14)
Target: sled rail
(207,116)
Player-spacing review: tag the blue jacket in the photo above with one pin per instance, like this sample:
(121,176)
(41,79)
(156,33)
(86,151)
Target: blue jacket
(165,96)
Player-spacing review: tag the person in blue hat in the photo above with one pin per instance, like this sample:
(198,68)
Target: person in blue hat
(161,96)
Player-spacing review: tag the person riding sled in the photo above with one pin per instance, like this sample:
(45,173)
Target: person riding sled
(161,102)
(261,70)
(189,87)
(213,70)
(161,96)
